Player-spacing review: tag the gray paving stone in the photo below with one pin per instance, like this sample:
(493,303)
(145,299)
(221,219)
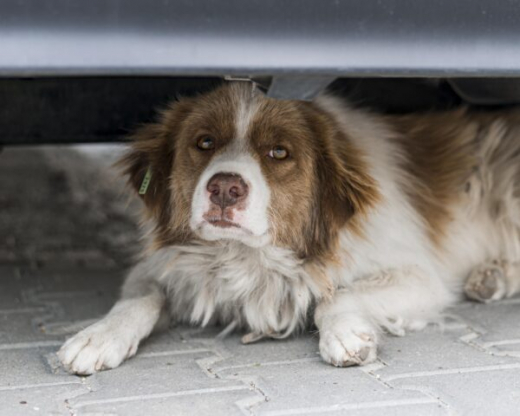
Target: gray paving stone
(315,386)
(39,305)
(48,400)
(31,366)
(214,403)
(375,408)
(495,325)
(304,347)
(432,350)
(13,283)
(479,392)
(22,327)
(172,342)
(59,280)
(156,377)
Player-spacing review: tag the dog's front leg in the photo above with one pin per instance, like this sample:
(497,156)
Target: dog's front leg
(350,323)
(107,343)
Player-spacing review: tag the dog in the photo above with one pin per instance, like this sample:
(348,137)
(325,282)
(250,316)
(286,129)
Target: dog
(268,216)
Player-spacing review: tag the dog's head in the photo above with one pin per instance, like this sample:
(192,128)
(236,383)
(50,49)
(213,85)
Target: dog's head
(235,165)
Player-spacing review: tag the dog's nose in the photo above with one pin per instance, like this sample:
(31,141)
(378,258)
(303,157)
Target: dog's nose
(227,189)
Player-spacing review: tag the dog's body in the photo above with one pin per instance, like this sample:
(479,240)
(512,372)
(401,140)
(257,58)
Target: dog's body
(262,212)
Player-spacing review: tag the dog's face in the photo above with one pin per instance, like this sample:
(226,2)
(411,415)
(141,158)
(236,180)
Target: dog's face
(236,165)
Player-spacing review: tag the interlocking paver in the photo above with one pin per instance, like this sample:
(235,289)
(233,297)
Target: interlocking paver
(495,326)
(315,386)
(173,376)
(375,408)
(30,366)
(430,351)
(482,392)
(13,284)
(48,400)
(214,403)
(294,348)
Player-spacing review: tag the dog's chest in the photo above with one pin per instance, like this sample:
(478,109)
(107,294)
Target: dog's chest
(265,289)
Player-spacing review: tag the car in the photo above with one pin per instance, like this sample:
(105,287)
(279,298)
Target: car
(90,71)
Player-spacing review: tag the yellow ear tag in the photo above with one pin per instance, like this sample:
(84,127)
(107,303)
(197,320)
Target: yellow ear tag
(146,181)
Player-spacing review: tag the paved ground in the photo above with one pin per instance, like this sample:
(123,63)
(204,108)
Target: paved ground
(65,241)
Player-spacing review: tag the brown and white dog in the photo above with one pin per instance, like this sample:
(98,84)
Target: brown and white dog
(263,214)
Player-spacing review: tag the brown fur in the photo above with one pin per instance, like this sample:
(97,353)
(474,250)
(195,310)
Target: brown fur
(322,188)
(153,147)
(440,157)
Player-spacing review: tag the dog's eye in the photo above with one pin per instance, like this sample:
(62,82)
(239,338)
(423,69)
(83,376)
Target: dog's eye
(206,143)
(278,153)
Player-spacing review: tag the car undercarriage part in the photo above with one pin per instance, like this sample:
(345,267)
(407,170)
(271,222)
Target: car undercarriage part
(105,109)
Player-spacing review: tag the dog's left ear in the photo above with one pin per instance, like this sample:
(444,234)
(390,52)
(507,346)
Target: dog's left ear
(345,190)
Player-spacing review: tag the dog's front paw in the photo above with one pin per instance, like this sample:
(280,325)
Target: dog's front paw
(345,345)
(101,346)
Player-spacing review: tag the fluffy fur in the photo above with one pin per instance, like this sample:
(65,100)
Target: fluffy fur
(371,223)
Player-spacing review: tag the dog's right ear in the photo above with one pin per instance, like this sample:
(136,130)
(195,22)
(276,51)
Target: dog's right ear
(149,162)
(148,165)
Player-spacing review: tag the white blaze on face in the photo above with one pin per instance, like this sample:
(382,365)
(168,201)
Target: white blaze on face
(248,220)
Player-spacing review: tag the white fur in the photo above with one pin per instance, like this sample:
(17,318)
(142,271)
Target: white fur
(253,220)
(115,338)
(392,278)
(247,106)
(236,160)
(263,289)
(393,261)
